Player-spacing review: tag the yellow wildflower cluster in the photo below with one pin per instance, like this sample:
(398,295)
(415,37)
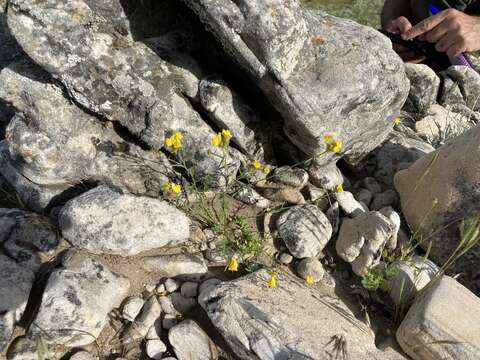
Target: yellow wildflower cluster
(397,121)
(272,282)
(256,165)
(233,266)
(339,188)
(309,280)
(171,189)
(333,145)
(174,142)
(222,139)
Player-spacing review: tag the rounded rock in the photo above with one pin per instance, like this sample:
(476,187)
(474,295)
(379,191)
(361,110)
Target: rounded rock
(155,349)
(310,267)
(305,230)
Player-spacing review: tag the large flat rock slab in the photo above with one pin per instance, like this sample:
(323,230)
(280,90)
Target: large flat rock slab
(259,322)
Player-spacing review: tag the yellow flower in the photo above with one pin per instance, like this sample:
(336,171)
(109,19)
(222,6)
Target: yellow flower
(171,189)
(333,145)
(176,188)
(227,135)
(272,282)
(174,142)
(217,140)
(328,139)
(222,139)
(339,188)
(233,266)
(309,280)
(256,165)
(266,170)
(397,121)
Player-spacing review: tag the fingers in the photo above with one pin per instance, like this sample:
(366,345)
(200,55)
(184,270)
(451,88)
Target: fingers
(456,49)
(445,42)
(436,33)
(426,25)
(403,24)
(399,25)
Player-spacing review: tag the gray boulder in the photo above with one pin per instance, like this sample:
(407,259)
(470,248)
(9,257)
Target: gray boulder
(28,238)
(229,111)
(294,53)
(436,193)
(262,323)
(398,151)
(77,299)
(424,87)
(468,81)
(305,230)
(15,284)
(34,196)
(119,79)
(53,142)
(442,323)
(190,342)
(105,220)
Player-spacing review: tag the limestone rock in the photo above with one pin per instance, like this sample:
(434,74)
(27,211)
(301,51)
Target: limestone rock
(468,81)
(35,197)
(77,299)
(440,122)
(305,230)
(362,239)
(286,47)
(410,276)
(150,313)
(450,92)
(104,220)
(438,191)
(397,151)
(190,342)
(348,204)
(442,323)
(263,323)
(82,355)
(117,78)
(184,266)
(424,87)
(325,177)
(387,198)
(292,177)
(53,142)
(132,308)
(15,284)
(28,238)
(229,111)
(310,267)
(155,348)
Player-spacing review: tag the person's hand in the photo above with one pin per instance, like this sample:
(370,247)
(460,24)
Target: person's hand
(400,26)
(451,30)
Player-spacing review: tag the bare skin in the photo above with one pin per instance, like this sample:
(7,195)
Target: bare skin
(452,31)
(394,19)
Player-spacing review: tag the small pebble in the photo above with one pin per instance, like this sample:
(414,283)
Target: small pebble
(171,285)
(155,349)
(167,305)
(150,288)
(310,267)
(132,308)
(161,289)
(155,331)
(285,258)
(189,289)
(183,304)
(82,355)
